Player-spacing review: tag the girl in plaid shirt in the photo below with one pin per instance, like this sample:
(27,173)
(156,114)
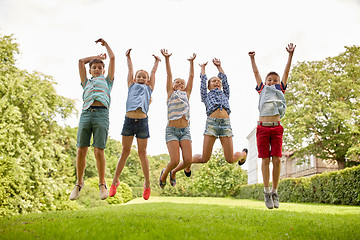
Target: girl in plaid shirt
(218,122)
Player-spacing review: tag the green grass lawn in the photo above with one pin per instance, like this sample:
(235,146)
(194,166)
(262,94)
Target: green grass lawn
(189,218)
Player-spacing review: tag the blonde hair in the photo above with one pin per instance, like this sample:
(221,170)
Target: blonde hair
(141,70)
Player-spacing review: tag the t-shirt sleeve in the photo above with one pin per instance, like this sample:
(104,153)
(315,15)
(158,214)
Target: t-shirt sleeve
(259,88)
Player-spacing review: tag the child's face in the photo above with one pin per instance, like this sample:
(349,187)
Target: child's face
(141,78)
(272,80)
(97,69)
(214,83)
(179,84)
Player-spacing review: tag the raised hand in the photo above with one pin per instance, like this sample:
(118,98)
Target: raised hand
(102,56)
(217,62)
(165,53)
(290,48)
(157,58)
(192,57)
(252,54)
(203,64)
(128,52)
(100,40)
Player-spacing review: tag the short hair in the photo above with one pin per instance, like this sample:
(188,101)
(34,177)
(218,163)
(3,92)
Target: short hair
(272,73)
(96,60)
(141,70)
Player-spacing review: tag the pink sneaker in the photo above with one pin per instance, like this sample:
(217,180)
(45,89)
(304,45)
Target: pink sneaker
(146,193)
(113,189)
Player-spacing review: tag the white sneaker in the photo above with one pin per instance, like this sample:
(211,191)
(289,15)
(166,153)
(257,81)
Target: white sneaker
(103,191)
(75,193)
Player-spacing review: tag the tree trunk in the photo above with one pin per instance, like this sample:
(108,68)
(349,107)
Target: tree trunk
(341,164)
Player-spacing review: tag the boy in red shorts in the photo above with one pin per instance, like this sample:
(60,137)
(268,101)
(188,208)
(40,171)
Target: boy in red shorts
(269,132)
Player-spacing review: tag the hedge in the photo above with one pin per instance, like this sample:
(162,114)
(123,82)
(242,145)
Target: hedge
(338,187)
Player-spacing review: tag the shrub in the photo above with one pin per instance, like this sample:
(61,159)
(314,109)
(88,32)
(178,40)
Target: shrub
(339,187)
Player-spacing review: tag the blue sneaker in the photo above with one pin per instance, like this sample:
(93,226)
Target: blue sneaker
(161,183)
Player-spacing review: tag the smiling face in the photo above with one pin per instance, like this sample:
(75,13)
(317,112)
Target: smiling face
(141,77)
(97,69)
(214,83)
(179,84)
(272,79)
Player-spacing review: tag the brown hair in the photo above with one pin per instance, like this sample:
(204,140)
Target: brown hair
(272,73)
(96,60)
(208,83)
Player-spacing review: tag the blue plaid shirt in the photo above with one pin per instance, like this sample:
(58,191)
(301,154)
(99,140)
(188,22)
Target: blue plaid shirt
(216,98)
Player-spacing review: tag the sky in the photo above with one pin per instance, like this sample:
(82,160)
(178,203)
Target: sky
(54,34)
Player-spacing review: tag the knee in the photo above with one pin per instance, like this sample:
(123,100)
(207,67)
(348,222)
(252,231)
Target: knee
(174,163)
(125,151)
(266,161)
(276,160)
(98,152)
(142,153)
(82,151)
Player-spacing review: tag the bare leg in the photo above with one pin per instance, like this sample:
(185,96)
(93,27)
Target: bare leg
(126,142)
(186,149)
(207,150)
(80,164)
(100,164)
(142,144)
(276,172)
(265,171)
(227,145)
(174,152)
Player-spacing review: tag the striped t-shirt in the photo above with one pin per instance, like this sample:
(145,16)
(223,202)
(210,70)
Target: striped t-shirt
(178,105)
(97,88)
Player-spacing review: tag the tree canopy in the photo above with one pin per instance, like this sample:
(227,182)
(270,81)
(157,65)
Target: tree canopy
(34,169)
(323,108)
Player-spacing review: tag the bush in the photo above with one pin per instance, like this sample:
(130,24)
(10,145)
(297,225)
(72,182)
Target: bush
(339,187)
(216,178)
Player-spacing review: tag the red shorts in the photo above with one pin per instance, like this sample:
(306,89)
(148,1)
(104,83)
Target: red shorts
(269,141)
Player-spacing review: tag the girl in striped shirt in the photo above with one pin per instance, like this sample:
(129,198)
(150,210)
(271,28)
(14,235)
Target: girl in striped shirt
(177,132)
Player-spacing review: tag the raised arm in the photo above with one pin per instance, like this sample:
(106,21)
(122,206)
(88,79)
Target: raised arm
(222,76)
(290,48)
(217,63)
(189,84)
(203,87)
(130,78)
(203,65)
(84,61)
(255,69)
(111,69)
(169,85)
(153,71)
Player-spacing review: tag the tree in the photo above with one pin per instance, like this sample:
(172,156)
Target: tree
(34,169)
(323,107)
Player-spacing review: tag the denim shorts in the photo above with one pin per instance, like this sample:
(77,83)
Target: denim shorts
(177,134)
(93,122)
(137,127)
(218,127)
